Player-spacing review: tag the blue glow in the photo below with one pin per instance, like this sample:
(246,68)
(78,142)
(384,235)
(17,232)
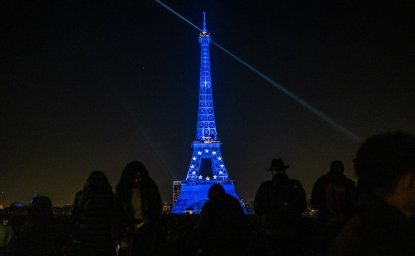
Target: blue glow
(312,109)
(204,23)
(194,194)
(19,204)
(194,190)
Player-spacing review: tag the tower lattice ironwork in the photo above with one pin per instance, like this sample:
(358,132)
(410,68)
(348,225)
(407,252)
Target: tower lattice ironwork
(206,165)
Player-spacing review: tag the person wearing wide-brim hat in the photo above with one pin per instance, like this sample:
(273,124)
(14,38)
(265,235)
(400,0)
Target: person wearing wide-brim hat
(277,164)
(279,204)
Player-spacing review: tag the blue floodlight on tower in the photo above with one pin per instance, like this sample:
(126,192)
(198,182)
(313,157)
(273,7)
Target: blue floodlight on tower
(206,165)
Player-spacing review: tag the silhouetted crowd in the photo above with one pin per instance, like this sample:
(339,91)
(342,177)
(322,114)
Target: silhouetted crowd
(374,217)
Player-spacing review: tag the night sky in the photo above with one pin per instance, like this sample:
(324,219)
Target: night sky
(87,86)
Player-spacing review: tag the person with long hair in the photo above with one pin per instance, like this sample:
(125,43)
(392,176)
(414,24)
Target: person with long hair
(91,215)
(137,210)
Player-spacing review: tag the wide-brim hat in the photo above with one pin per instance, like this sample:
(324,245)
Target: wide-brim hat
(277,165)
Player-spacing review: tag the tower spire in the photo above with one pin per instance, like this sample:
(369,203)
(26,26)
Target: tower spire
(204,23)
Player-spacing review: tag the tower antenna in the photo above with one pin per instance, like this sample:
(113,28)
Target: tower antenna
(204,23)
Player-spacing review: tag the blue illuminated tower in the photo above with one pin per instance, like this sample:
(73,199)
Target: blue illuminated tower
(206,165)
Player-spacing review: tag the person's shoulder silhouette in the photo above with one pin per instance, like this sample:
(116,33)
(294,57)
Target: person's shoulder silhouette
(383,222)
(334,195)
(42,235)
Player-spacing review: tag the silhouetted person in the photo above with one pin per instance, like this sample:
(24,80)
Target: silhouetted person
(223,224)
(91,216)
(382,225)
(6,234)
(334,196)
(137,210)
(42,236)
(279,203)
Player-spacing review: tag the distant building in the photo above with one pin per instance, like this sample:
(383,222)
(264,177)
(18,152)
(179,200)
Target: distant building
(177,184)
(166,207)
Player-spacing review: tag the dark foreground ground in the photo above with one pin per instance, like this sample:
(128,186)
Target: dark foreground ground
(180,232)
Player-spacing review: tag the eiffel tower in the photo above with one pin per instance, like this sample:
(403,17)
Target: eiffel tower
(206,165)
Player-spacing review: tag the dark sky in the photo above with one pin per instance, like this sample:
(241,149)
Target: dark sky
(88,86)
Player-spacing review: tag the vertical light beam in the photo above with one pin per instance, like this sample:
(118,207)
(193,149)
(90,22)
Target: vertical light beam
(299,100)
